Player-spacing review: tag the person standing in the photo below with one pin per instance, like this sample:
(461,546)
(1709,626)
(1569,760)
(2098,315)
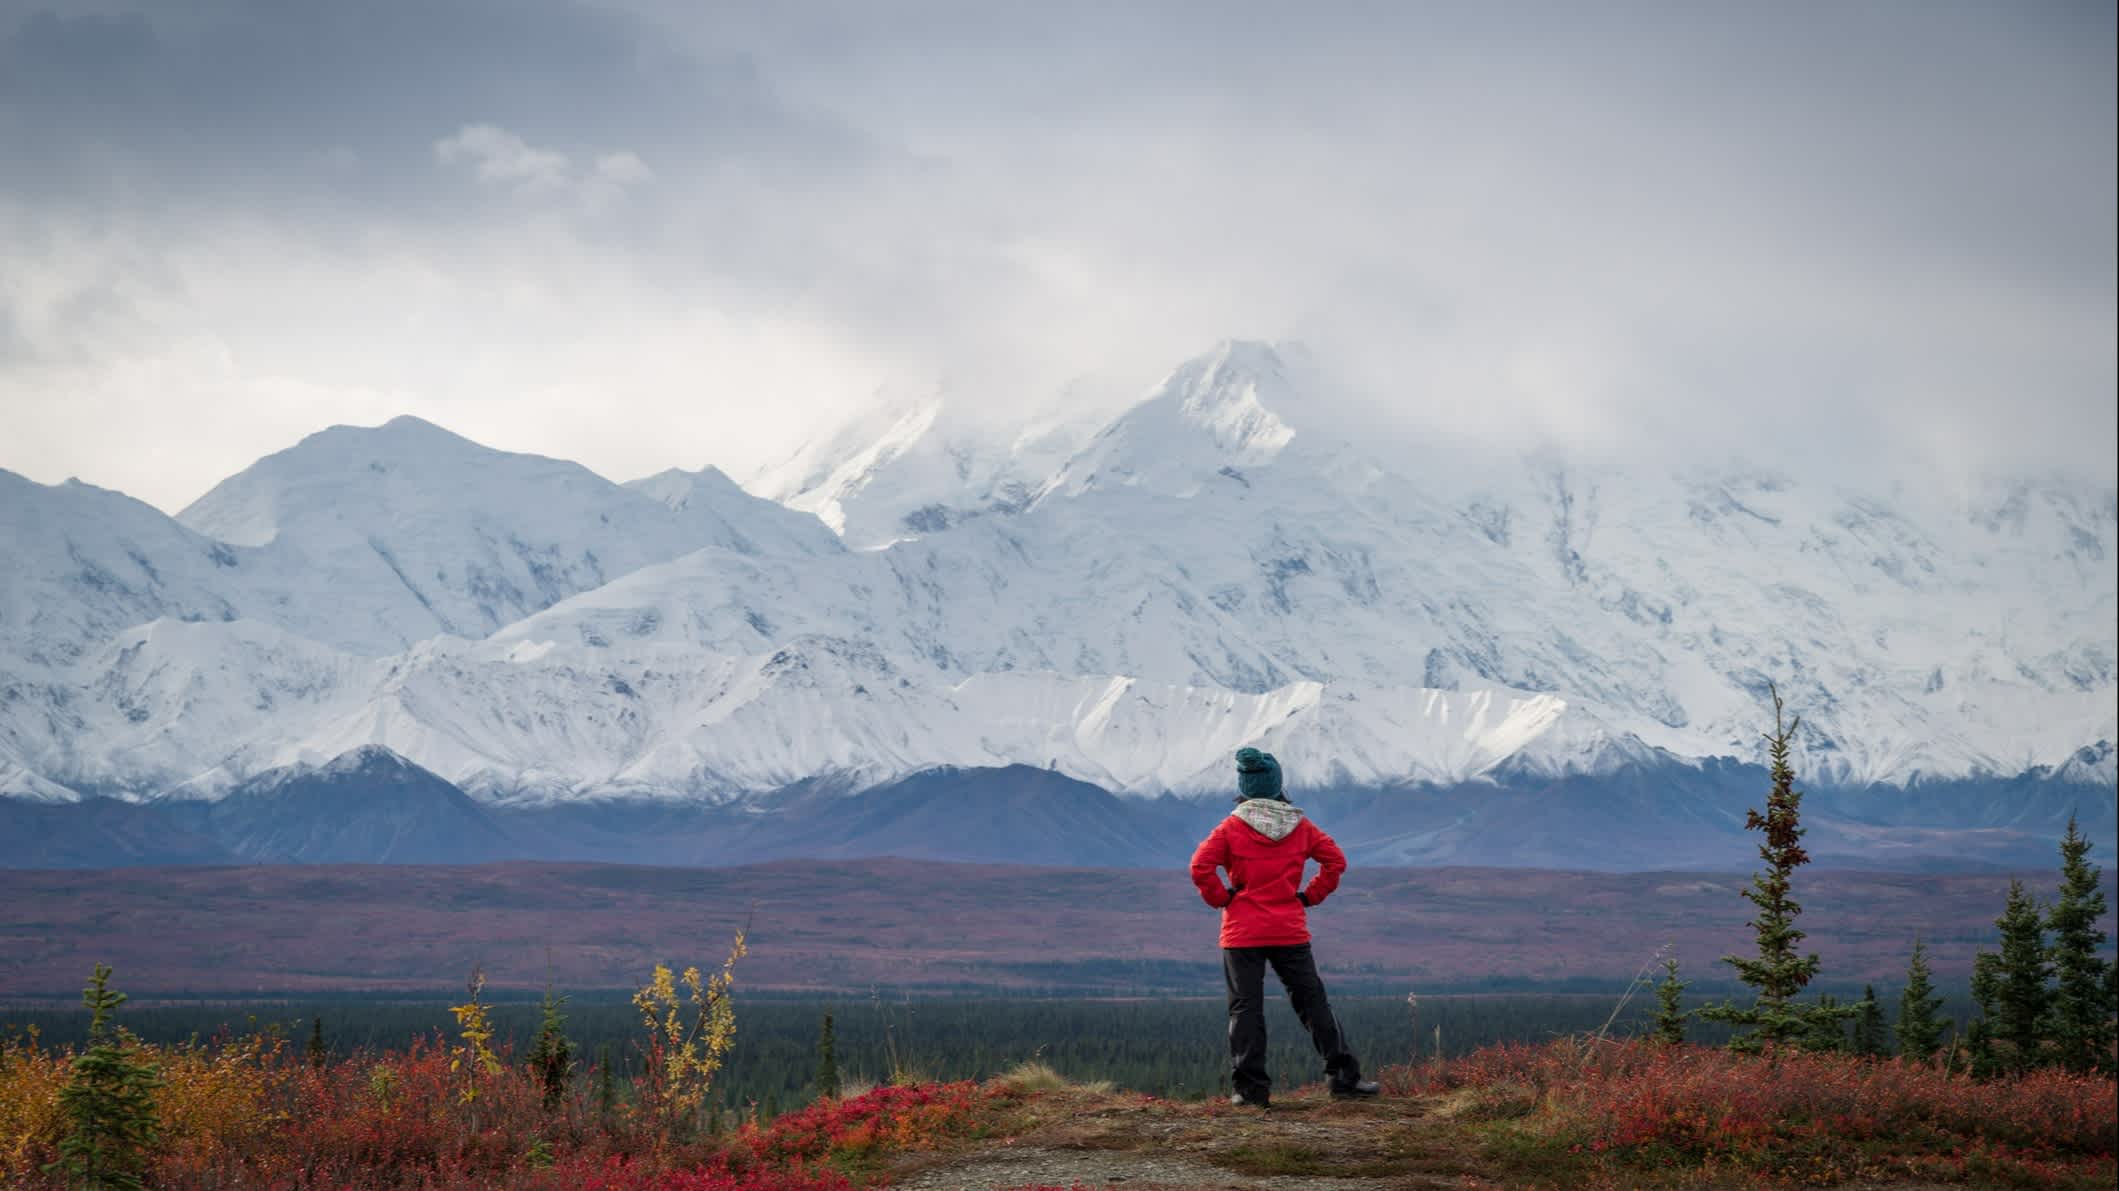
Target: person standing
(1264,845)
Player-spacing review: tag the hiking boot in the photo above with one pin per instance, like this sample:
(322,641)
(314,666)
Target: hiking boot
(1239,1100)
(1360,1089)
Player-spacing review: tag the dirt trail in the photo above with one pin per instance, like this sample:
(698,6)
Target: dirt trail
(1304,1143)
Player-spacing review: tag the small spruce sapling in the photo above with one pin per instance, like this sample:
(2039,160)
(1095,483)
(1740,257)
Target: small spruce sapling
(606,1086)
(108,1102)
(827,1061)
(551,1055)
(316,1052)
(1980,1058)
(1870,1040)
(1670,1012)
(1919,1029)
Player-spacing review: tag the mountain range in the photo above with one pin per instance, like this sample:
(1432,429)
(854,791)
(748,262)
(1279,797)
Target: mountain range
(392,642)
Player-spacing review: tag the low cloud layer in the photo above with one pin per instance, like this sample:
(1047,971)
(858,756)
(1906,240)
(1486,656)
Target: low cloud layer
(648,234)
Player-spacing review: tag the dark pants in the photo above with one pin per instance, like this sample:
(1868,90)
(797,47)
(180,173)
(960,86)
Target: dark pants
(1245,970)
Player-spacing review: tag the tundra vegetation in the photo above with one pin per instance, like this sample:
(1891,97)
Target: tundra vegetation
(1806,1092)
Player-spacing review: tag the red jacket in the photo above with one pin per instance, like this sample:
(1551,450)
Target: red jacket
(1264,844)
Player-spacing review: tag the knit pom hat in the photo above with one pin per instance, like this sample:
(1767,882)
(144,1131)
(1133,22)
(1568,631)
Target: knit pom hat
(1257,775)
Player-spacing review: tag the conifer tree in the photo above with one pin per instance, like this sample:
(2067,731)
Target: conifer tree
(606,1085)
(2080,1014)
(1919,1030)
(108,1102)
(827,1061)
(551,1055)
(315,1051)
(1869,1037)
(2016,985)
(1979,1035)
(1670,1012)
(1825,1028)
(1778,973)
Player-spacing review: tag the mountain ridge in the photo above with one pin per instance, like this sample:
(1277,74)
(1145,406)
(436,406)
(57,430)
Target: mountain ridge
(1220,564)
(373,806)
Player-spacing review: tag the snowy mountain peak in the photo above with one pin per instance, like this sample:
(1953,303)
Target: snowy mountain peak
(840,460)
(1215,415)
(827,473)
(413,424)
(85,562)
(917,468)
(405,433)
(678,489)
(400,471)
(1230,393)
(369,759)
(428,532)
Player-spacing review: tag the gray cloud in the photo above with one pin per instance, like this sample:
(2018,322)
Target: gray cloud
(645,233)
(242,102)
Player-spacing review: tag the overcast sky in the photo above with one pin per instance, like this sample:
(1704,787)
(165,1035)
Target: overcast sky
(651,233)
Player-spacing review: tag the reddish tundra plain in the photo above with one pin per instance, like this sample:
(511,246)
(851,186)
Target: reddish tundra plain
(919,926)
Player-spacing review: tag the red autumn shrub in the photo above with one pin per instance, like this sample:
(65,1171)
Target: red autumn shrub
(249,1112)
(893,1118)
(1815,1117)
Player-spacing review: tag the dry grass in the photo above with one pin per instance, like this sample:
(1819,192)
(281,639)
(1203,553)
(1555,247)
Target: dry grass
(1494,1102)
(1036,1078)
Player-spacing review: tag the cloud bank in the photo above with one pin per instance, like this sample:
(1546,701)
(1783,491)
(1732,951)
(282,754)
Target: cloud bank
(647,234)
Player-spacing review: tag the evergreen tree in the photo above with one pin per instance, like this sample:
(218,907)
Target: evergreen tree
(1669,1005)
(2080,1014)
(606,1085)
(1869,1038)
(1778,973)
(1919,1030)
(827,1061)
(551,1055)
(2017,984)
(1824,1028)
(1979,1036)
(108,1102)
(315,1051)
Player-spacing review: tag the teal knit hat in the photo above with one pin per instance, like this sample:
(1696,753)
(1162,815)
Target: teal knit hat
(1257,775)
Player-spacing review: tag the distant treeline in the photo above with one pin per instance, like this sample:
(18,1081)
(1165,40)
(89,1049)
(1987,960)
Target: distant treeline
(1165,1046)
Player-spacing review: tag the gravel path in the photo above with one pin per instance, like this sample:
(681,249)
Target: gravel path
(1302,1145)
(1034,1167)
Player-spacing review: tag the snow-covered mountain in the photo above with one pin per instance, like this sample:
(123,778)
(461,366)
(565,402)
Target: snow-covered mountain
(1234,560)
(910,469)
(517,720)
(388,536)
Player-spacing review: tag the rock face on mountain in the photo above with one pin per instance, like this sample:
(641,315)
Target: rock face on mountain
(1236,559)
